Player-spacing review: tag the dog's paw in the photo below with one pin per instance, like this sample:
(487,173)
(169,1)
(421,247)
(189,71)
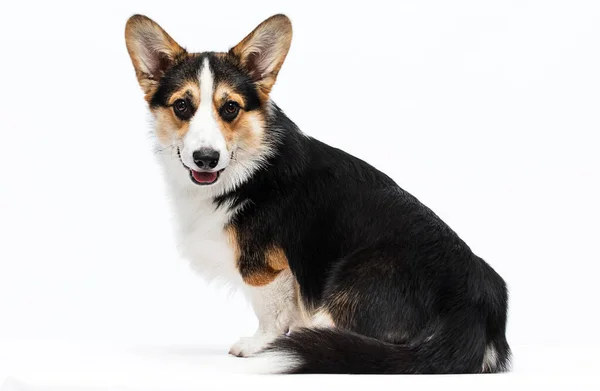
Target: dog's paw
(249,346)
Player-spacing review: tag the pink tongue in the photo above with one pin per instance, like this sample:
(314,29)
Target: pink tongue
(204,177)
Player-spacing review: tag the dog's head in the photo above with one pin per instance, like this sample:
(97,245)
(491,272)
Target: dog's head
(210,107)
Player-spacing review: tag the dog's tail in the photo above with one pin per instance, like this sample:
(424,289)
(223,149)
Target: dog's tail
(466,347)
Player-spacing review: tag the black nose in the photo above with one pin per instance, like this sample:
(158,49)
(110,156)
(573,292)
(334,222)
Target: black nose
(206,158)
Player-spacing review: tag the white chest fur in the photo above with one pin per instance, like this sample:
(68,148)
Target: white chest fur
(200,225)
(204,241)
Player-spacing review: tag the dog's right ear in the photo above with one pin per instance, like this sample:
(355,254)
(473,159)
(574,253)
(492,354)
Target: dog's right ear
(151,49)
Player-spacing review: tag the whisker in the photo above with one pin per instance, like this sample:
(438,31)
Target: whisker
(159,150)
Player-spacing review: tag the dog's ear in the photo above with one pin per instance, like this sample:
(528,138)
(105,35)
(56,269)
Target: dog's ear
(263,51)
(151,49)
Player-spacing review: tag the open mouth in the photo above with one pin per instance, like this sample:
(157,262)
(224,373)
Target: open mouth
(204,177)
(201,177)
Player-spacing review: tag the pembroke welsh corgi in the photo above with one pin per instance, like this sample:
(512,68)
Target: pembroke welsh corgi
(346,271)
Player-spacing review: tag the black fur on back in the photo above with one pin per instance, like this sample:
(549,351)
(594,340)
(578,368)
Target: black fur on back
(407,295)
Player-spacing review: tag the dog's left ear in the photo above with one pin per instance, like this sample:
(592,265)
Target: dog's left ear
(263,51)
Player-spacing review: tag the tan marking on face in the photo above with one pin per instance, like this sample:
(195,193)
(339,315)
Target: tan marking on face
(189,89)
(247,129)
(225,92)
(148,86)
(168,126)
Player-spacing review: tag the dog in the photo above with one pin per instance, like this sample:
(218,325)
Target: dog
(346,271)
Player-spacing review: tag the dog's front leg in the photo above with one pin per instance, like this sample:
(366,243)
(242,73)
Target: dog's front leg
(276,308)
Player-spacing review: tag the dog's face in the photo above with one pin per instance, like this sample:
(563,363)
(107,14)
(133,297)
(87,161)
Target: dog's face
(210,107)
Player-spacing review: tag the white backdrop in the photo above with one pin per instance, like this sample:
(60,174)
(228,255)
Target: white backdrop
(487,111)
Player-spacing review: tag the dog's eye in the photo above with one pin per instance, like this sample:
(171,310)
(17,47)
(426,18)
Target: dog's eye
(183,109)
(181,106)
(230,110)
(231,107)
